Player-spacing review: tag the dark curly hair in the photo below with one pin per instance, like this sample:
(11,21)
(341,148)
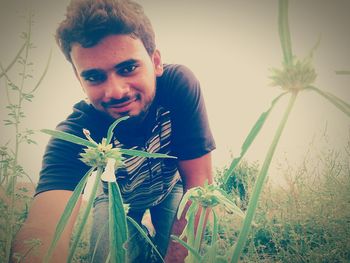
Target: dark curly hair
(89,21)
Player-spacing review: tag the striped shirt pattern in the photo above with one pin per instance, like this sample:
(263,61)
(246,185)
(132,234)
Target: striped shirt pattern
(145,182)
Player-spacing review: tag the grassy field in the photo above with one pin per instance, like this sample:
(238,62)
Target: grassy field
(306,220)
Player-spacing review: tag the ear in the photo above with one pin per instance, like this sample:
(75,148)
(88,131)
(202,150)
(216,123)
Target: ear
(157,62)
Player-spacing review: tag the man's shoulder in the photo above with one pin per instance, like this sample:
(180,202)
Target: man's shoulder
(82,116)
(178,72)
(177,81)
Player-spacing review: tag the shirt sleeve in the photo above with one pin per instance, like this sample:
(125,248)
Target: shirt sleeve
(191,134)
(61,167)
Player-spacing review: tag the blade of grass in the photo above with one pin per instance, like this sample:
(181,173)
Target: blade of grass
(188,247)
(339,103)
(251,137)
(145,236)
(200,227)
(66,214)
(188,231)
(342,72)
(284,33)
(214,237)
(68,137)
(183,202)
(145,154)
(117,224)
(112,127)
(85,216)
(243,235)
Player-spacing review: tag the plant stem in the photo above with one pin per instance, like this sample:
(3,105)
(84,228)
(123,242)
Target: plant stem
(86,214)
(4,71)
(284,33)
(200,229)
(243,235)
(15,171)
(340,104)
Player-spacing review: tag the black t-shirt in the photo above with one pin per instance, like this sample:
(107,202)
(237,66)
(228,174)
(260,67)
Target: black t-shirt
(176,124)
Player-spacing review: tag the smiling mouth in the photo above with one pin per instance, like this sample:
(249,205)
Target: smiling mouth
(121,107)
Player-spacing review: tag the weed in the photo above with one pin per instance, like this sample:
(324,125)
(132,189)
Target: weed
(17,93)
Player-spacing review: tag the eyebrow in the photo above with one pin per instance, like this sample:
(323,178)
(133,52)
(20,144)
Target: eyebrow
(89,72)
(123,64)
(126,63)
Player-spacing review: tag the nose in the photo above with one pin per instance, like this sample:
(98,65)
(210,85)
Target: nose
(115,87)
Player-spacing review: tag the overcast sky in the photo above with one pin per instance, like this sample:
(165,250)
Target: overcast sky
(230,45)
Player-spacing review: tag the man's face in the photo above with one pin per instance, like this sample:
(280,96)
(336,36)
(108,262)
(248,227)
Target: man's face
(118,75)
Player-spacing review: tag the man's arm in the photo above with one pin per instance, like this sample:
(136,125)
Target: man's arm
(41,223)
(193,173)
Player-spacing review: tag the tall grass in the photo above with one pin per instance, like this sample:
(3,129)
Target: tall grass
(307,219)
(18,90)
(300,223)
(295,76)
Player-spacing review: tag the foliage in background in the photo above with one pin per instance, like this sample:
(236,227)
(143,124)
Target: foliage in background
(306,222)
(239,184)
(295,76)
(306,219)
(19,90)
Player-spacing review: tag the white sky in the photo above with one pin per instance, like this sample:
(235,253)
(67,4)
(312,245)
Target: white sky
(230,45)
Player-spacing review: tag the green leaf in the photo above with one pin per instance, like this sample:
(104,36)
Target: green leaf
(143,233)
(229,205)
(284,33)
(66,214)
(117,224)
(145,154)
(200,227)
(215,228)
(112,127)
(212,251)
(184,201)
(342,72)
(339,103)
(188,247)
(85,215)
(68,137)
(189,229)
(251,137)
(253,202)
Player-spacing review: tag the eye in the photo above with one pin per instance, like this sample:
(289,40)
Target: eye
(127,70)
(95,78)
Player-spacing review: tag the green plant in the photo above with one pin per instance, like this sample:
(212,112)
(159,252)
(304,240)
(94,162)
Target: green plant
(18,93)
(208,198)
(295,76)
(239,184)
(103,159)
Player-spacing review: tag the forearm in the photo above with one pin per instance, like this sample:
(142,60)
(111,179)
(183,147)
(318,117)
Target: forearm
(40,225)
(176,252)
(32,242)
(193,173)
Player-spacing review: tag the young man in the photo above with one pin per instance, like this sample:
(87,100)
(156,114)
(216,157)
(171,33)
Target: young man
(111,47)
